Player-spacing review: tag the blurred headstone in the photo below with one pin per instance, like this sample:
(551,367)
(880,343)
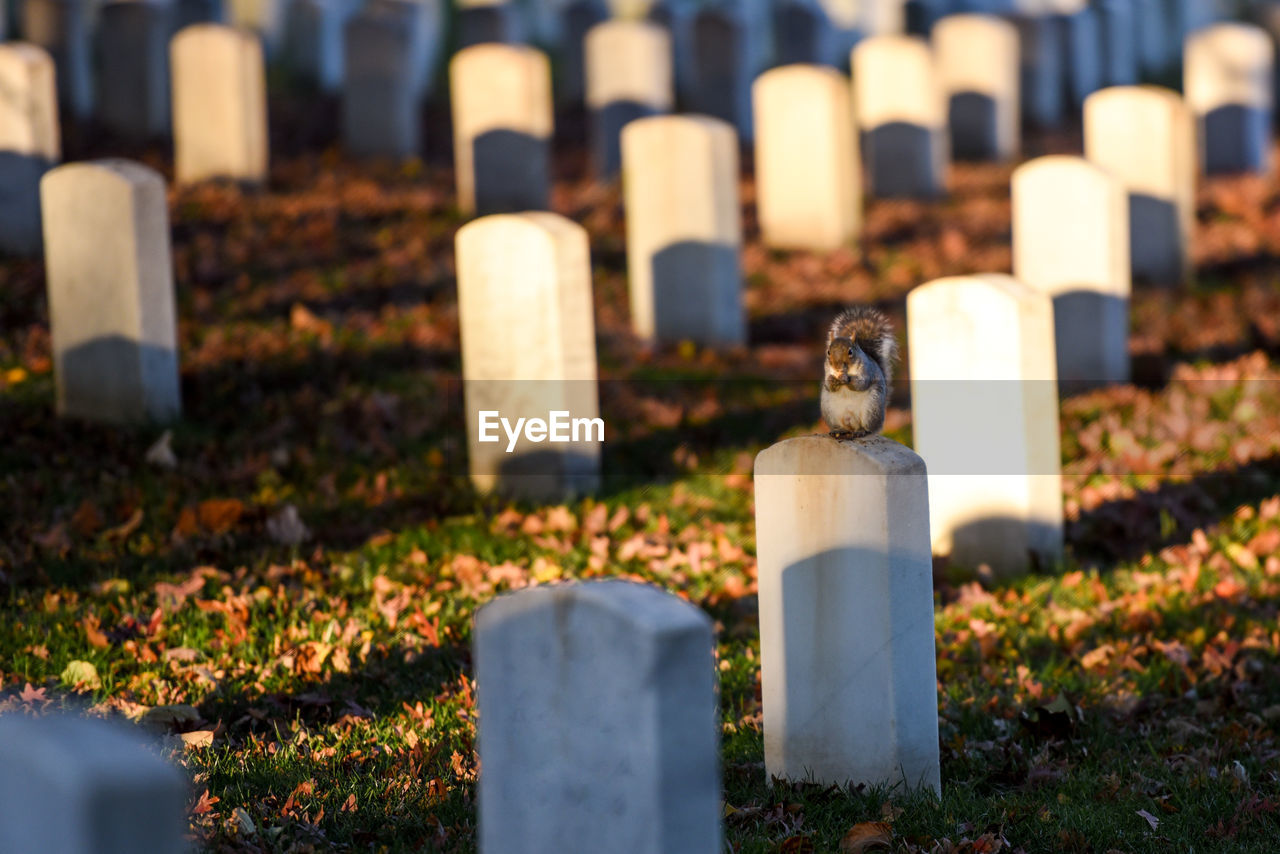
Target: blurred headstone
(684,230)
(1228,85)
(901,115)
(722,67)
(133,56)
(111,298)
(1071,241)
(528,352)
(977,61)
(502,126)
(30,142)
(380,92)
(629,76)
(1145,137)
(808,178)
(219,105)
(62,27)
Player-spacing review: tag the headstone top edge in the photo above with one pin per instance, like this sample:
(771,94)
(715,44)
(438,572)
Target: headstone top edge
(129,170)
(642,604)
(71,735)
(476,52)
(802,69)
(25,51)
(821,454)
(547,222)
(1056,162)
(682,121)
(1146,90)
(1003,282)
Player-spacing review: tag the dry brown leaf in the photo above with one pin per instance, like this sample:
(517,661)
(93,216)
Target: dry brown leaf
(170,717)
(187,525)
(93,633)
(198,739)
(219,515)
(796,845)
(122,531)
(204,804)
(87,521)
(867,836)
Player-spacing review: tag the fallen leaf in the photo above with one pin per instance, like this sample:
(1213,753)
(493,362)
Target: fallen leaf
(81,674)
(55,539)
(349,805)
(161,453)
(219,515)
(86,521)
(197,739)
(121,532)
(867,836)
(204,804)
(170,717)
(1151,820)
(33,695)
(187,525)
(93,633)
(796,845)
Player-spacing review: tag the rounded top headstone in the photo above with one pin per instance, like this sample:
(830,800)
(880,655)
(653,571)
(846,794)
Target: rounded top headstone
(894,80)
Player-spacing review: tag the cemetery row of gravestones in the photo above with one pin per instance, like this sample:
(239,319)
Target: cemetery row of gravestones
(917,101)
(1082,227)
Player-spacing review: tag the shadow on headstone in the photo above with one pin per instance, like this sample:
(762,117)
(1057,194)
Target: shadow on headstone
(690,297)
(188,12)
(20,229)
(860,706)
(975,131)
(606,138)
(722,69)
(112,378)
(511,174)
(676,20)
(900,161)
(62,28)
(548,475)
(380,118)
(1091,331)
(802,33)
(1155,239)
(1083,48)
(133,60)
(484,24)
(1042,70)
(578,17)
(1236,138)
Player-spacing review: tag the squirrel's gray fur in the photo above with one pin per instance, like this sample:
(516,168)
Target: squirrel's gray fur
(861,350)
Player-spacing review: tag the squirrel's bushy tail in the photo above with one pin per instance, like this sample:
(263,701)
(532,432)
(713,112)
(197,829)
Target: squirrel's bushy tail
(871,330)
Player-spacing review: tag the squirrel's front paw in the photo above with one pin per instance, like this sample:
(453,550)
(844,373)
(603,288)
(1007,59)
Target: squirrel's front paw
(845,435)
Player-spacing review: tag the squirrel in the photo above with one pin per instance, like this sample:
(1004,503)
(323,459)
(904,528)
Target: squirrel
(861,350)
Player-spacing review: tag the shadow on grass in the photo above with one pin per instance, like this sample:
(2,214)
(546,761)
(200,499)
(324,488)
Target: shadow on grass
(1127,529)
